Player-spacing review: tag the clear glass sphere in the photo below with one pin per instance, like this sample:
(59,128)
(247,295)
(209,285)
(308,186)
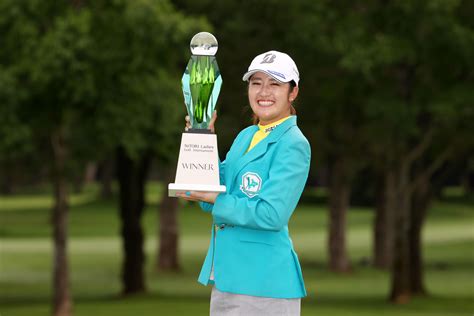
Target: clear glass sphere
(204,43)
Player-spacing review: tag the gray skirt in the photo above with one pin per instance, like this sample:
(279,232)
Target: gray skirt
(228,304)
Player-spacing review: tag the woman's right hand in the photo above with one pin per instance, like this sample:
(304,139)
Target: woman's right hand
(211,123)
(188,123)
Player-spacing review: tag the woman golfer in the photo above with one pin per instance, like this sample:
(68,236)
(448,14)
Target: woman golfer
(251,262)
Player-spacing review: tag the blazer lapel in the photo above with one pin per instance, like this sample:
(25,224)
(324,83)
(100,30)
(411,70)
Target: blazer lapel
(242,158)
(238,152)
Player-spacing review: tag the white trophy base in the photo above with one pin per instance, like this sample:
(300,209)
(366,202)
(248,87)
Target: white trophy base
(174,188)
(198,165)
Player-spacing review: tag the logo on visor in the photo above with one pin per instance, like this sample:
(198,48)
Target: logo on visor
(251,184)
(268,58)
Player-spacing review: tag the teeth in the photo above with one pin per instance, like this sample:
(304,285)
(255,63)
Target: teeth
(265,103)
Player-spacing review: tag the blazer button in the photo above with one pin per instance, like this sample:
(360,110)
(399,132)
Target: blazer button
(222,226)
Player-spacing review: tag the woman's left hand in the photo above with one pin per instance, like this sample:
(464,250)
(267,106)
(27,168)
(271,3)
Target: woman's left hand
(209,197)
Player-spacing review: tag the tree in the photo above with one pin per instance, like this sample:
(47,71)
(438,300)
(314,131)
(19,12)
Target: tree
(54,87)
(334,108)
(168,233)
(138,75)
(386,89)
(415,92)
(78,91)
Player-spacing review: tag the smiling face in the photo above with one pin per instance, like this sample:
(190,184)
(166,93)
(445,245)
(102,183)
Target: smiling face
(270,99)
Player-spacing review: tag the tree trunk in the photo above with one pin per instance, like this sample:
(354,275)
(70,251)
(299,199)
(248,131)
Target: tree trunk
(168,229)
(420,204)
(86,177)
(107,178)
(62,304)
(338,205)
(7,181)
(384,214)
(132,177)
(90,172)
(401,272)
(467,180)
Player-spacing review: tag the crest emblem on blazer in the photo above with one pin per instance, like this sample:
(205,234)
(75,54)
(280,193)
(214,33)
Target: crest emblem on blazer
(251,184)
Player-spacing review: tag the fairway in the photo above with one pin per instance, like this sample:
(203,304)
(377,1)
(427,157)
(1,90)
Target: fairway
(95,258)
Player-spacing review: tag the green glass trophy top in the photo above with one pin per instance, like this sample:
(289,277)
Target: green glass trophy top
(202,80)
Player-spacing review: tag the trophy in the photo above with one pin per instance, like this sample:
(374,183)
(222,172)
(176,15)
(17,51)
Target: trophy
(198,162)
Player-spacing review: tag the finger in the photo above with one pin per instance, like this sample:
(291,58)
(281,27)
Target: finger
(185,196)
(214,117)
(196,195)
(189,199)
(213,121)
(188,123)
(189,194)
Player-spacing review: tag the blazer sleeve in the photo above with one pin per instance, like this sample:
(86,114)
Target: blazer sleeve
(272,207)
(205,206)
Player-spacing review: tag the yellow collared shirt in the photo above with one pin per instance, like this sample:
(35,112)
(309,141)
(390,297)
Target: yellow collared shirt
(263,131)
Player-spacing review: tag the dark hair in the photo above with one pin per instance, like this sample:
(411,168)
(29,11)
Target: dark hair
(292,108)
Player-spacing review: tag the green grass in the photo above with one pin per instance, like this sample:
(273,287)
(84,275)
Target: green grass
(95,257)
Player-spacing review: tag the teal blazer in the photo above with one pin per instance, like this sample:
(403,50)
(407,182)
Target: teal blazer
(250,250)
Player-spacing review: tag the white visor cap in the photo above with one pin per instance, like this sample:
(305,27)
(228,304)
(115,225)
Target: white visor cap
(276,64)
